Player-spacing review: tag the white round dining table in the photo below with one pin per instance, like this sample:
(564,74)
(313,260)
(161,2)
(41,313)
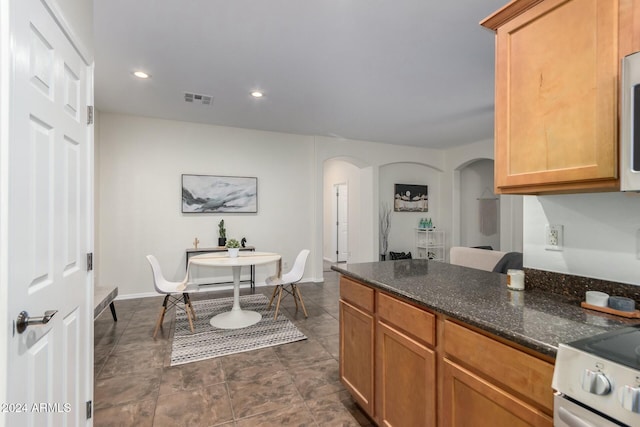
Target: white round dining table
(237,317)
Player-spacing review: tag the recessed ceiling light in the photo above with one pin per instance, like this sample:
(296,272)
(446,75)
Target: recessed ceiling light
(257,94)
(141,74)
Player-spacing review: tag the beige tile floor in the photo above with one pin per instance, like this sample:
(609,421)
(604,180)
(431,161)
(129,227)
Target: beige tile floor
(293,384)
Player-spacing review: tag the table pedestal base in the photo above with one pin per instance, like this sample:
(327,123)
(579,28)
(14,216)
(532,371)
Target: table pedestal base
(235,319)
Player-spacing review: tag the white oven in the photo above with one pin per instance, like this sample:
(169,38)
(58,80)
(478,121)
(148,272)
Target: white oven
(567,413)
(630,124)
(597,380)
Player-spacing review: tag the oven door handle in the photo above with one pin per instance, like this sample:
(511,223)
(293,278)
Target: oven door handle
(571,419)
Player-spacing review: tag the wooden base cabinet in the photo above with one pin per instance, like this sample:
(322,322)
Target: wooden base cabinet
(356,355)
(406,366)
(469,400)
(406,380)
(357,342)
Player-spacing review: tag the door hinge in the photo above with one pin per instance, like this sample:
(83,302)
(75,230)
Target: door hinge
(89,114)
(90,261)
(89,411)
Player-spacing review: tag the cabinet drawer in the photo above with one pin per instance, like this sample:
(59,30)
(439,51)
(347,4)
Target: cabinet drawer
(504,365)
(356,294)
(419,323)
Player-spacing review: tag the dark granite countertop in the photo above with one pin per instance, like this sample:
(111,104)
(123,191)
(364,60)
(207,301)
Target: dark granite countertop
(535,319)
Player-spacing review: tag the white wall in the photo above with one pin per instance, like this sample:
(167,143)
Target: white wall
(141,162)
(600,235)
(403,224)
(476,181)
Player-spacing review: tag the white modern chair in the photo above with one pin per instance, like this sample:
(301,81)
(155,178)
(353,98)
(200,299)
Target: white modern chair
(170,289)
(289,279)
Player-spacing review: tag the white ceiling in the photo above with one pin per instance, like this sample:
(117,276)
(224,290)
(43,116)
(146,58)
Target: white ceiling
(413,72)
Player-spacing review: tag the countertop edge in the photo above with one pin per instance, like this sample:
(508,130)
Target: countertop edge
(537,346)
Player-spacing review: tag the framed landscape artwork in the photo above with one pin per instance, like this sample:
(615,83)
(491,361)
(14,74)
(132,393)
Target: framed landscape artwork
(212,193)
(411,198)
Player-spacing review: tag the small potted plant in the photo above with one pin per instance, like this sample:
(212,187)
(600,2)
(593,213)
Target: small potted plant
(222,234)
(233,246)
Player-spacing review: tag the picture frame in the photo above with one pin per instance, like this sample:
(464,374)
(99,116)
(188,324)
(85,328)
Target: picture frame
(411,198)
(219,194)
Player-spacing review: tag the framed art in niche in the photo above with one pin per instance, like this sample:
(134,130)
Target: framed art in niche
(411,198)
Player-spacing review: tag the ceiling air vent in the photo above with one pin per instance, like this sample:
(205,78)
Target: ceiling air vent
(196,98)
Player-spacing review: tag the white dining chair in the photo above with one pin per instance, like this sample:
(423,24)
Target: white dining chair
(171,291)
(289,279)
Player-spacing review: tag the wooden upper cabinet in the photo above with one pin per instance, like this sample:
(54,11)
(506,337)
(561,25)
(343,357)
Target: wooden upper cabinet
(556,106)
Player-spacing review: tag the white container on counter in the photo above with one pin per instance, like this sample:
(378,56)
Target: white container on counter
(515,279)
(599,299)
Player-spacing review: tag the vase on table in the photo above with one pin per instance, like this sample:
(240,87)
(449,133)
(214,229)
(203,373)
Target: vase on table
(233,252)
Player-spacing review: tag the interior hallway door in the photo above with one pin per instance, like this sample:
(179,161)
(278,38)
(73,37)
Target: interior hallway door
(342,222)
(46,219)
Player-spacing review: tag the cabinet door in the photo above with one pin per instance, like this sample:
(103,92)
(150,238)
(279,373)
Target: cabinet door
(406,380)
(469,400)
(557,98)
(356,354)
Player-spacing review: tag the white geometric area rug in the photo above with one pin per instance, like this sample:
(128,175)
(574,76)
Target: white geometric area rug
(208,342)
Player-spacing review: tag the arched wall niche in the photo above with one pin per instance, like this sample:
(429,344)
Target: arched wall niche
(472,178)
(403,224)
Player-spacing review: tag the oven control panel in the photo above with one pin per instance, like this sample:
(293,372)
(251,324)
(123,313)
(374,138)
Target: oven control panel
(600,384)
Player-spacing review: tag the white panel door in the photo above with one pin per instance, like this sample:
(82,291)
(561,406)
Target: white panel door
(48,185)
(342,195)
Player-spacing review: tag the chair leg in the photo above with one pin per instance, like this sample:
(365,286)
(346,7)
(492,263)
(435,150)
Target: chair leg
(185,297)
(298,295)
(273,295)
(293,293)
(163,309)
(193,312)
(275,317)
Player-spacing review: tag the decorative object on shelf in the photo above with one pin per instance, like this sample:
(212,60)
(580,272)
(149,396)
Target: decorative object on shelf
(385,227)
(411,198)
(233,246)
(243,242)
(425,224)
(208,193)
(195,243)
(222,234)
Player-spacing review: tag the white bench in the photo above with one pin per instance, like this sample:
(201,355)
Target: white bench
(103,296)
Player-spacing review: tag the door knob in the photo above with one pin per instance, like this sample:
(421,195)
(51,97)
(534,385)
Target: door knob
(24,320)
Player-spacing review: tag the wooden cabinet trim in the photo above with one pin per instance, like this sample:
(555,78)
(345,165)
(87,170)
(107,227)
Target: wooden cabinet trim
(526,375)
(413,320)
(357,294)
(454,375)
(507,13)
